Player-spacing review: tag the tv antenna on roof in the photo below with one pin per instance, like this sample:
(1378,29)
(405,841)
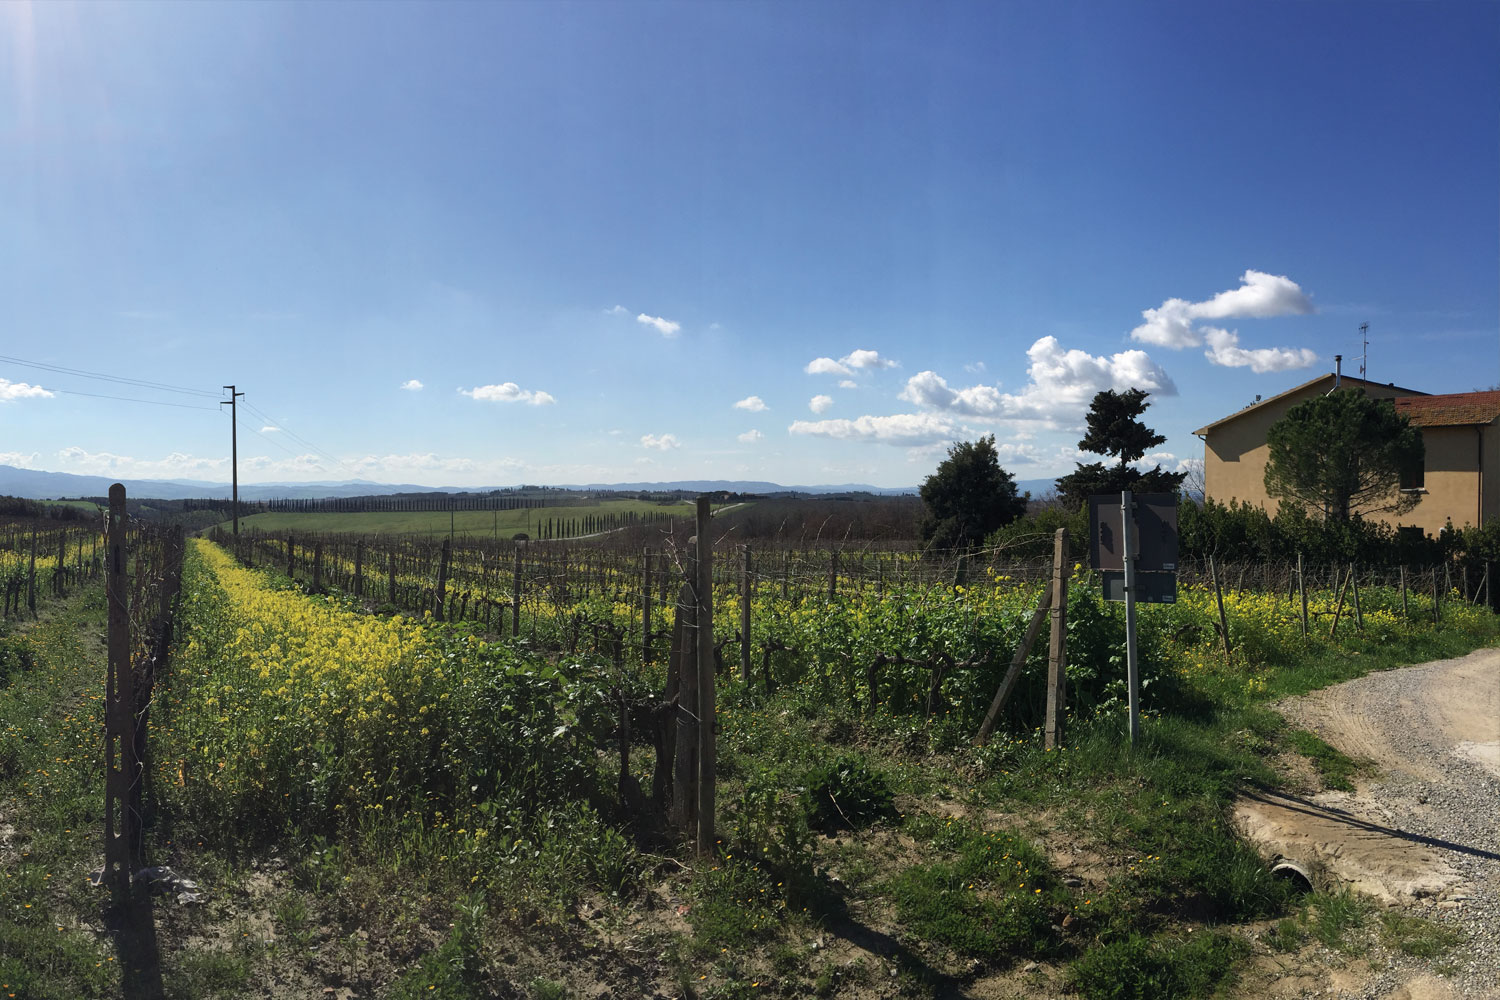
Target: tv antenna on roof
(1364,336)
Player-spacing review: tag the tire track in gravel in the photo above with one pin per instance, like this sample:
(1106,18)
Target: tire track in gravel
(1422,832)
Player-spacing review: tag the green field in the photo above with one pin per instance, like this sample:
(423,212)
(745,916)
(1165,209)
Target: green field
(501,523)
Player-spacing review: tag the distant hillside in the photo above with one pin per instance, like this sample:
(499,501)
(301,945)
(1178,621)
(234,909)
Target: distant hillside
(36,484)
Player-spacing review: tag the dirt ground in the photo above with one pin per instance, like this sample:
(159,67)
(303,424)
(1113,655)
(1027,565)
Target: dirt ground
(1417,834)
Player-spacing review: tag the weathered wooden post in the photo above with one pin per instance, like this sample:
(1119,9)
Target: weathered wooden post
(1339,610)
(442,579)
(1213,572)
(1402,573)
(1017,662)
(62,555)
(1302,591)
(646,606)
(390,576)
(359,568)
(1057,657)
(747,585)
(119,703)
(707,696)
(515,594)
(31,577)
(1437,611)
(317,580)
(1359,618)
(291,554)
(685,784)
(833,574)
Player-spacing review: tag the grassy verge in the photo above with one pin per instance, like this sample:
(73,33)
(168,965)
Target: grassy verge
(397,810)
(51,800)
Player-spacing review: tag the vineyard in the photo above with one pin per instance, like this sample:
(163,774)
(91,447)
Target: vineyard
(403,766)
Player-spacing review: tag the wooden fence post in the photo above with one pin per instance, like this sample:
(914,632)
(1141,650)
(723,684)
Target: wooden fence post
(1359,618)
(1437,613)
(291,554)
(390,576)
(1402,571)
(317,580)
(707,695)
(62,553)
(1302,590)
(646,607)
(359,568)
(747,587)
(1339,610)
(685,783)
(1057,657)
(119,702)
(31,578)
(833,574)
(1017,662)
(515,595)
(1213,572)
(442,579)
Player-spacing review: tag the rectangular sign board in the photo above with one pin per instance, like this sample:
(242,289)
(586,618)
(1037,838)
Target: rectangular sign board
(1156,532)
(1150,588)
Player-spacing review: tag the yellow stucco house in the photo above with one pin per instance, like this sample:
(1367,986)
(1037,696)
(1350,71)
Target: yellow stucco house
(1460,480)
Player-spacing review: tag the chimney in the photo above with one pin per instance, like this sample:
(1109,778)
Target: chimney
(1338,370)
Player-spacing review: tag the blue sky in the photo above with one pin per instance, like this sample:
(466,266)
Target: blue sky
(588,231)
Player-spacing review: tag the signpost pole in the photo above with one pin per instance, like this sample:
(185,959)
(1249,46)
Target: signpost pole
(1132,668)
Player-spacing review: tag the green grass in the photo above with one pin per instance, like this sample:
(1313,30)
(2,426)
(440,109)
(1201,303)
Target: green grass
(1335,767)
(499,523)
(1159,968)
(1414,936)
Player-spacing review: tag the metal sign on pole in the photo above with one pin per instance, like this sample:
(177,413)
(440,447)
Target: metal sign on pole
(1133,545)
(1132,668)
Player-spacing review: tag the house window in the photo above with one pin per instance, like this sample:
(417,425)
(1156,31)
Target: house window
(1414,476)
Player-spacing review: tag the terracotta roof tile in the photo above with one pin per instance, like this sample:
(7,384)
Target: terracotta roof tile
(1451,410)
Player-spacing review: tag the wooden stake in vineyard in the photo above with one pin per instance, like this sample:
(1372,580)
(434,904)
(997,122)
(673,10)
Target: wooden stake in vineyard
(707,699)
(1057,659)
(120,766)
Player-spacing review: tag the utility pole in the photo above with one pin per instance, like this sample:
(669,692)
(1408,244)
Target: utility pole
(1364,350)
(234,455)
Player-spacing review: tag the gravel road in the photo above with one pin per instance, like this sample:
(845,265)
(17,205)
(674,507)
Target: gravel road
(1422,830)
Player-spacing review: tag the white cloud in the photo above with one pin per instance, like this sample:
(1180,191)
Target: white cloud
(10,391)
(1224,349)
(1259,296)
(412,385)
(931,390)
(752,403)
(18,459)
(268,429)
(907,429)
(665,327)
(175,465)
(848,383)
(867,359)
(820,404)
(826,366)
(508,392)
(974,367)
(861,358)
(1062,383)
(665,442)
(750,437)
(617,311)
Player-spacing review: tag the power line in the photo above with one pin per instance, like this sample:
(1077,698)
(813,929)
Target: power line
(130,399)
(297,437)
(122,380)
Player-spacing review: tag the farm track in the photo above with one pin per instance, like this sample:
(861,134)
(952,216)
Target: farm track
(1420,832)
